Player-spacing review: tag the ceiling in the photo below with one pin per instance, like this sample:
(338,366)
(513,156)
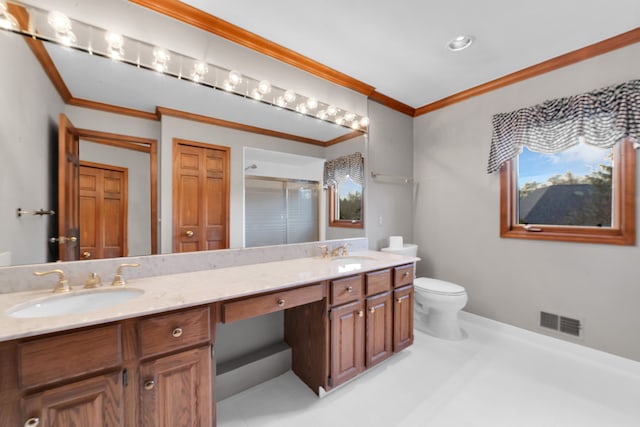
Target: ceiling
(399,47)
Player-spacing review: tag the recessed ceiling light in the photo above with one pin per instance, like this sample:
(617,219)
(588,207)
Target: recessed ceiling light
(459,43)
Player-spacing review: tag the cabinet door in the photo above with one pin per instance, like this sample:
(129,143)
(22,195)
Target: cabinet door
(347,342)
(402,318)
(176,390)
(379,328)
(95,402)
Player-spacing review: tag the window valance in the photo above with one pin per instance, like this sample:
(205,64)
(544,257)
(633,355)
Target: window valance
(336,171)
(601,118)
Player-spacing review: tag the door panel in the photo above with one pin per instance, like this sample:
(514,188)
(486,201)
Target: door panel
(379,329)
(402,318)
(200,197)
(347,342)
(103,210)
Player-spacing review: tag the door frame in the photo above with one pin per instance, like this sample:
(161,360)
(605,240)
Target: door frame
(144,145)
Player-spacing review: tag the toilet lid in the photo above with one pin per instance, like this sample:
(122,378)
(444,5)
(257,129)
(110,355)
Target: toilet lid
(439,287)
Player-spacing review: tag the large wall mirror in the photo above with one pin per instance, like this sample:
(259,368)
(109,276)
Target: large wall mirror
(126,120)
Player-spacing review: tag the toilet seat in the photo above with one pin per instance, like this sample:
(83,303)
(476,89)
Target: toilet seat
(438,287)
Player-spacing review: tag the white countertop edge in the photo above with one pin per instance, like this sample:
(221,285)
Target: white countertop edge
(183,290)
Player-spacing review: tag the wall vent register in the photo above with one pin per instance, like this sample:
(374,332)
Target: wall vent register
(562,324)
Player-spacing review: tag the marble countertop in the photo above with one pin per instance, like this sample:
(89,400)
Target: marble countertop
(171,292)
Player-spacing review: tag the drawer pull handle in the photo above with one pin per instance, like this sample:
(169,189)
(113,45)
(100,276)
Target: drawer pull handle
(360,313)
(189,233)
(32,422)
(177,332)
(406,274)
(349,289)
(149,384)
(281,303)
(399,300)
(372,310)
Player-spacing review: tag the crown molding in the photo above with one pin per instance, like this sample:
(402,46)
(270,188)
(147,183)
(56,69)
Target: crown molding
(599,48)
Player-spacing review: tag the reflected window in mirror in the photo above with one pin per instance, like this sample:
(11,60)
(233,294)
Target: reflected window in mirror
(344,178)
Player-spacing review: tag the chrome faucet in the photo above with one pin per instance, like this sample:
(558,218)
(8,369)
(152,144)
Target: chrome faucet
(63,284)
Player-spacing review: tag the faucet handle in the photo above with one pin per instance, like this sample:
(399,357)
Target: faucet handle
(93,281)
(344,247)
(63,284)
(325,251)
(118,279)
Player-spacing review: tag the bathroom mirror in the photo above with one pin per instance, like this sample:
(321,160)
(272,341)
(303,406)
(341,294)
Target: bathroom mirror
(28,165)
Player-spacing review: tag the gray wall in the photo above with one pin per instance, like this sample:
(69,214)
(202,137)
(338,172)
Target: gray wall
(389,203)
(510,280)
(28,135)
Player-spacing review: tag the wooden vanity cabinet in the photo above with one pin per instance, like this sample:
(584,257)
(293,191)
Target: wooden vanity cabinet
(175,373)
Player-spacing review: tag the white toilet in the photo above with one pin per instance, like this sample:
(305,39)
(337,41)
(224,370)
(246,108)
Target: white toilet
(437,302)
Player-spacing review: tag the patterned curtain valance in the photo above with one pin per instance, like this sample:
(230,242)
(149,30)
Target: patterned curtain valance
(600,118)
(337,170)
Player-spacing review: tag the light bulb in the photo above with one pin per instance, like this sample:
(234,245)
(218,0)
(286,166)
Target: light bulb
(340,120)
(61,25)
(302,108)
(235,78)
(256,94)
(364,122)
(322,114)
(332,110)
(312,104)
(226,85)
(161,59)
(115,43)
(289,96)
(355,125)
(199,71)
(8,22)
(264,87)
(280,102)
(349,117)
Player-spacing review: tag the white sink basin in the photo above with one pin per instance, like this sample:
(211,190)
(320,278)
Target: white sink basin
(73,303)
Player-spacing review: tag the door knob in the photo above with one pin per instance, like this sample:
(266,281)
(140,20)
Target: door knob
(189,233)
(63,239)
(149,385)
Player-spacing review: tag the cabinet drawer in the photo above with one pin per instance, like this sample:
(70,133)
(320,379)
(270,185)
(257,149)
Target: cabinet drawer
(378,281)
(263,304)
(346,290)
(162,334)
(403,275)
(47,360)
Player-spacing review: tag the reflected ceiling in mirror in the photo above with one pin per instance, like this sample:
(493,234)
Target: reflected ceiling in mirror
(93,68)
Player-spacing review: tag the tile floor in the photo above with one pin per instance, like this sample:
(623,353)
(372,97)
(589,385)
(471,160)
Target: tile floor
(499,376)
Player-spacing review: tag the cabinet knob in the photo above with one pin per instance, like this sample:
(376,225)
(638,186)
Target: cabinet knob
(149,384)
(280,303)
(349,289)
(189,233)
(32,422)
(372,309)
(86,254)
(406,274)
(360,313)
(399,300)
(177,332)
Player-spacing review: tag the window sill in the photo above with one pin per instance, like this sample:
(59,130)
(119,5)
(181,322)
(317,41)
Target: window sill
(572,234)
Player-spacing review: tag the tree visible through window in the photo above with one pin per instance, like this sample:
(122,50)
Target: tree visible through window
(573,187)
(582,194)
(349,201)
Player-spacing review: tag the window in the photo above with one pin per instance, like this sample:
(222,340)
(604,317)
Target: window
(582,194)
(344,180)
(345,204)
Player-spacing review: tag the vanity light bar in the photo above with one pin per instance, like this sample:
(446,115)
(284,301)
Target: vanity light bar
(54,26)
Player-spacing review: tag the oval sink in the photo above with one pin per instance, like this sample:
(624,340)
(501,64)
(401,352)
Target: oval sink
(73,303)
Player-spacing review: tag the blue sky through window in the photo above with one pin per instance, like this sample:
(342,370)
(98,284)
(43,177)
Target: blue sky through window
(580,159)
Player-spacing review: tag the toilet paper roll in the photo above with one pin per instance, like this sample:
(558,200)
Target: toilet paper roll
(395,242)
